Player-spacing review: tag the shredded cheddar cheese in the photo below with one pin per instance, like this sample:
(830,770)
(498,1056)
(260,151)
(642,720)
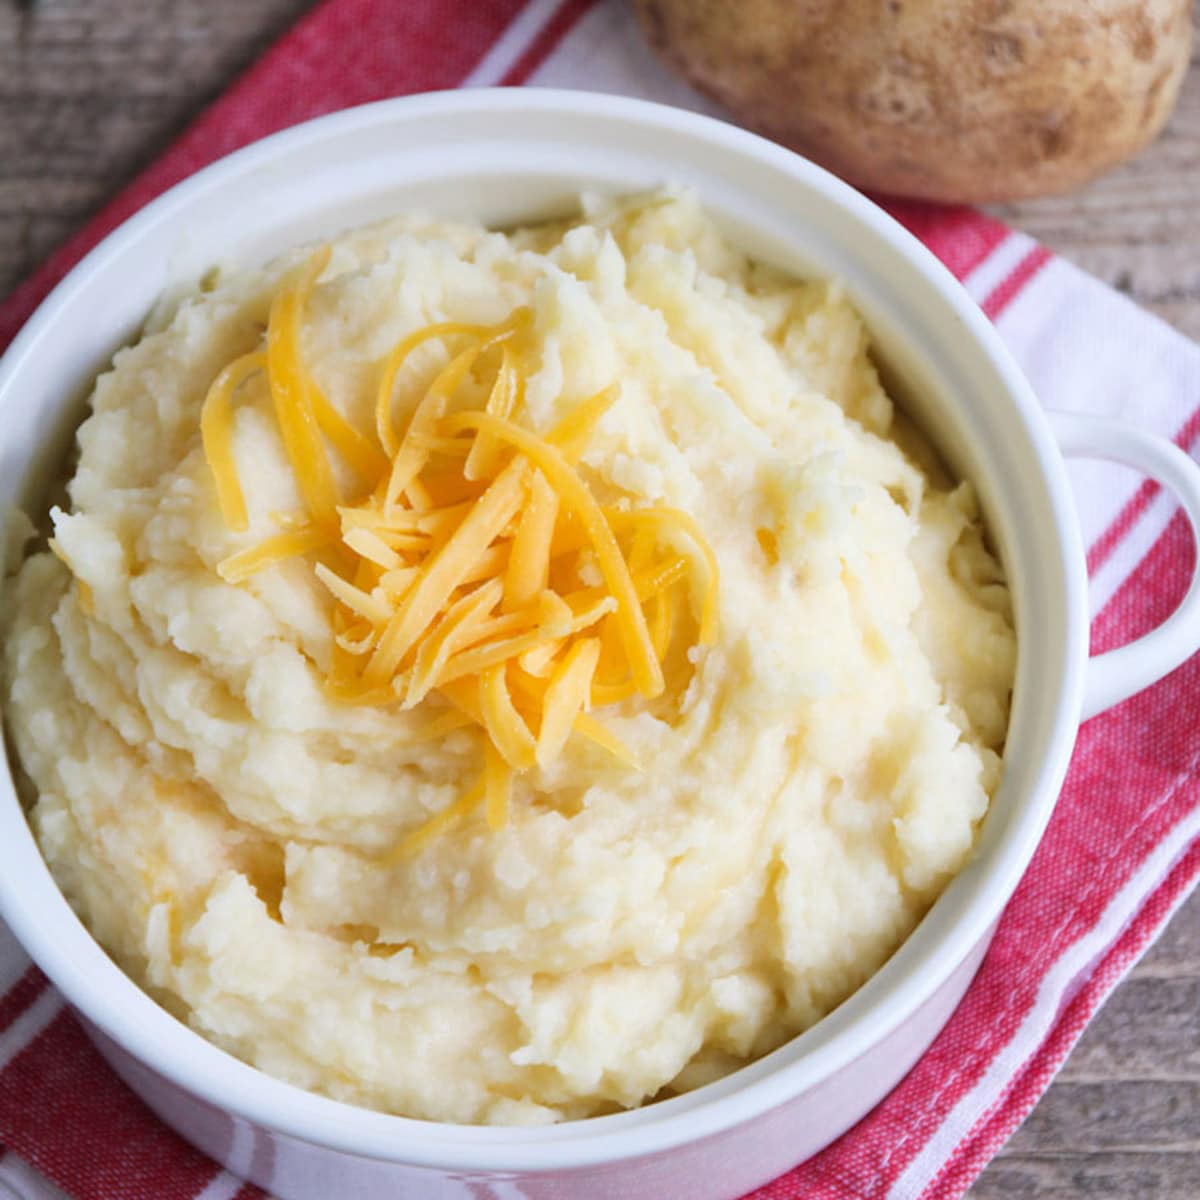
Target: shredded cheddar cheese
(456,563)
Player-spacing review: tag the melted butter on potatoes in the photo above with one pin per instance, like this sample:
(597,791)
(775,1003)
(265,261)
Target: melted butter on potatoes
(808,783)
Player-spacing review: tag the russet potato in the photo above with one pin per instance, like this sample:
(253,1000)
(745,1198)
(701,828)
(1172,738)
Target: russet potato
(960,100)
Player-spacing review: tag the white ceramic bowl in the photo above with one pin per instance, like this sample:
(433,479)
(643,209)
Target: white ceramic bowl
(510,156)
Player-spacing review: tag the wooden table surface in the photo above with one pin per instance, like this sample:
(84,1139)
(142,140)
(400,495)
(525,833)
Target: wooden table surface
(92,90)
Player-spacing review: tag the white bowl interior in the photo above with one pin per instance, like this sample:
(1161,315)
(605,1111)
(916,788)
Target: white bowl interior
(516,156)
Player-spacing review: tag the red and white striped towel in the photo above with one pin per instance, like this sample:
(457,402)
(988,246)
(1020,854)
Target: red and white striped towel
(1123,849)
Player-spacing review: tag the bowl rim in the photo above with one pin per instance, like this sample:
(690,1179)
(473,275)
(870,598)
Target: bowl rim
(136,1024)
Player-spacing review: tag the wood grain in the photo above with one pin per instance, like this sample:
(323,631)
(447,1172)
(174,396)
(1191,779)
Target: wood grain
(1138,228)
(90,92)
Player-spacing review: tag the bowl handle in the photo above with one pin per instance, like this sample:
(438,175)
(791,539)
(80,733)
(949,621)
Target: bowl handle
(1117,675)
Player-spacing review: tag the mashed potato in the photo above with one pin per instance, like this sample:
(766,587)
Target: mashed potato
(808,783)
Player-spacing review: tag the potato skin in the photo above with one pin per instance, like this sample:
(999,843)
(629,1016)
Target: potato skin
(957,100)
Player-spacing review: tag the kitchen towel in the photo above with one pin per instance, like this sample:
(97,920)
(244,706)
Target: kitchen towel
(1123,849)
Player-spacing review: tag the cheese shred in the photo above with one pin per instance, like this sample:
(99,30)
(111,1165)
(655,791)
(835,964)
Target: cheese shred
(460,563)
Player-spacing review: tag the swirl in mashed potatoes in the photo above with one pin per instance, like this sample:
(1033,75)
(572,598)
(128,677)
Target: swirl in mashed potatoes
(805,785)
